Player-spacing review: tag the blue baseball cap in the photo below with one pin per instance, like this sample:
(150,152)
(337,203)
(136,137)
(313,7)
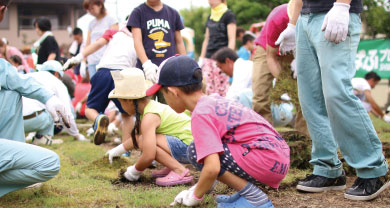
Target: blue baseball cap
(175,71)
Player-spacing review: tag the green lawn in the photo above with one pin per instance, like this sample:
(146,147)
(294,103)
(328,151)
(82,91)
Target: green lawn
(87,179)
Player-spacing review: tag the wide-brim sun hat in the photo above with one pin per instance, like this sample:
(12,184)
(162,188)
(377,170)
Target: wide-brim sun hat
(129,84)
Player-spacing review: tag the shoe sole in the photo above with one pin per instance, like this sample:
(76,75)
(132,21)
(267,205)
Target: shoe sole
(321,189)
(174,183)
(101,130)
(366,198)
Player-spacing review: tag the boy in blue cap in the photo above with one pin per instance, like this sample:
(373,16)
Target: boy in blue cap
(232,143)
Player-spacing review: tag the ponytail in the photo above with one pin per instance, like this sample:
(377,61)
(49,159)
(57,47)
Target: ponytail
(136,125)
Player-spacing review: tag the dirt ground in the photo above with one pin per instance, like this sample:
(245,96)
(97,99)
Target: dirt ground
(286,196)
(290,197)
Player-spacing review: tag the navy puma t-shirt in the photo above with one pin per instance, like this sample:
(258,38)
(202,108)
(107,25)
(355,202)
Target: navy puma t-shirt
(158,31)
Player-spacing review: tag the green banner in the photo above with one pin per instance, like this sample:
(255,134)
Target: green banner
(373,55)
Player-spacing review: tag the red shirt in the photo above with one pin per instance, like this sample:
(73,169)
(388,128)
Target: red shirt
(275,24)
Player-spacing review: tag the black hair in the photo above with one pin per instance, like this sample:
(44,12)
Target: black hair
(137,124)
(43,24)
(246,38)
(223,53)
(372,75)
(188,89)
(239,30)
(77,31)
(4,2)
(16,59)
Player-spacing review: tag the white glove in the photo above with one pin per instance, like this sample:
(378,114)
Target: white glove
(56,108)
(386,118)
(336,23)
(73,61)
(83,69)
(186,198)
(132,174)
(294,69)
(111,129)
(115,152)
(78,107)
(200,62)
(286,40)
(150,70)
(82,138)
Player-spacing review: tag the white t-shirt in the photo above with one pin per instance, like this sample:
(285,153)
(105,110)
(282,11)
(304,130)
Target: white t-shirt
(242,78)
(31,106)
(359,86)
(120,53)
(97,29)
(53,84)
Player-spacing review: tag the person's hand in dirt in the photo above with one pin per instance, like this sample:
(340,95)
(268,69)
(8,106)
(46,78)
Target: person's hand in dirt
(187,198)
(132,174)
(115,152)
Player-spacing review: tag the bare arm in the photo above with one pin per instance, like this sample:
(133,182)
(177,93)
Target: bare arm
(205,43)
(208,175)
(88,39)
(92,48)
(52,56)
(231,30)
(114,27)
(272,61)
(179,43)
(297,9)
(139,47)
(149,124)
(374,107)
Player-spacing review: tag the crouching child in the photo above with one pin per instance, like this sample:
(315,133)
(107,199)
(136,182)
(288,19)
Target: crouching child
(232,143)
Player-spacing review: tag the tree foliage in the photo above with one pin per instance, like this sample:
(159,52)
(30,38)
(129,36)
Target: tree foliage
(377,16)
(196,18)
(247,12)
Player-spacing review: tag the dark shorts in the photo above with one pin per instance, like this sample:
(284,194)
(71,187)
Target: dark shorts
(101,86)
(227,163)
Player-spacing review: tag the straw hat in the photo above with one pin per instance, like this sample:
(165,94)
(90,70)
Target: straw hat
(129,84)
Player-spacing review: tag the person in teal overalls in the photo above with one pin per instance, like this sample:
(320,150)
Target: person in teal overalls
(22,164)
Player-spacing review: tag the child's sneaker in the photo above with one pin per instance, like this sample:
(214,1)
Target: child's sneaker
(100,127)
(45,140)
(367,188)
(161,173)
(174,179)
(242,202)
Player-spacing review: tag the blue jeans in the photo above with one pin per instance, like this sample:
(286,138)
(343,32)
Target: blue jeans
(334,115)
(24,164)
(178,149)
